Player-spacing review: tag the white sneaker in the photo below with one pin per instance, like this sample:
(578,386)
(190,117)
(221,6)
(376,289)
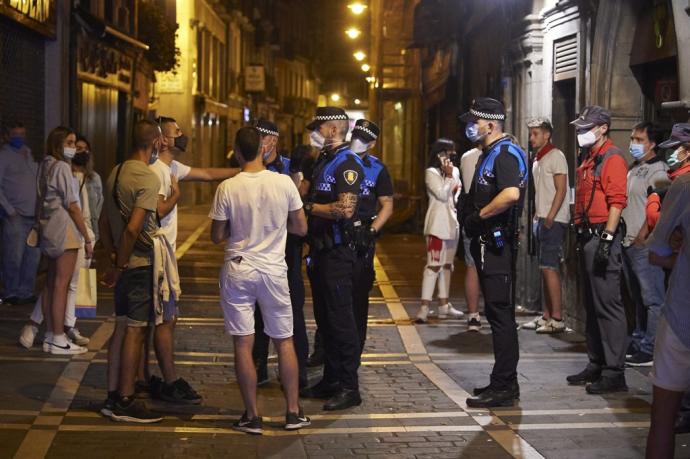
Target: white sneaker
(66,349)
(552,326)
(28,335)
(76,337)
(422,315)
(448,310)
(534,324)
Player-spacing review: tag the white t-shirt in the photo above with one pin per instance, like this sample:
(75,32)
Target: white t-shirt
(553,163)
(163,171)
(468,165)
(257,205)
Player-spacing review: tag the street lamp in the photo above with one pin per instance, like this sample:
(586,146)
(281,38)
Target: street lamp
(359,55)
(353,32)
(335,97)
(357,8)
(366,67)
(357,101)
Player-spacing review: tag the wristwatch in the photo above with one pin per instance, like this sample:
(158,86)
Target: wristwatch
(308,207)
(606,236)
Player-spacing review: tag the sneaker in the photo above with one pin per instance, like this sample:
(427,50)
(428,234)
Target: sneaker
(76,337)
(180,392)
(447,310)
(251,426)
(109,404)
(129,410)
(69,348)
(640,359)
(607,385)
(316,359)
(262,375)
(632,350)
(142,389)
(474,324)
(295,421)
(534,324)
(155,387)
(422,315)
(552,326)
(28,335)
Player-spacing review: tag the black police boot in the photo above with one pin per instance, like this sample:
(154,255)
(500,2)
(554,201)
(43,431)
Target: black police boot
(480,390)
(345,398)
(608,385)
(492,397)
(316,359)
(322,390)
(585,376)
(682,424)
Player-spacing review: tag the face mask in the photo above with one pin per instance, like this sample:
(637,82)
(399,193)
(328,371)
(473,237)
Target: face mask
(267,155)
(154,155)
(359,147)
(81,159)
(587,139)
(181,142)
(637,151)
(472,132)
(69,152)
(317,140)
(673,161)
(16,142)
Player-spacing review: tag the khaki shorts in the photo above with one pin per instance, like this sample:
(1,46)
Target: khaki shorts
(671,369)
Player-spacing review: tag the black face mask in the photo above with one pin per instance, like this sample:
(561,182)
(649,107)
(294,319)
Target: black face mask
(81,159)
(181,142)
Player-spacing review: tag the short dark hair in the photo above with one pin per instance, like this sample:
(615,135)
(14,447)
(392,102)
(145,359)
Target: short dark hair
(145,132)
(654,132)
(13,124)
(165,119)
(247,142)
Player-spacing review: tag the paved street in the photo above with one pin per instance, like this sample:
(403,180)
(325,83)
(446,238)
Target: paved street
(414,381)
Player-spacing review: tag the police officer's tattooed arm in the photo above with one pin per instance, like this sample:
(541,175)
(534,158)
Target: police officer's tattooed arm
(343,208)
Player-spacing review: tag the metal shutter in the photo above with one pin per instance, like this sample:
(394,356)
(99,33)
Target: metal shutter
(565,58)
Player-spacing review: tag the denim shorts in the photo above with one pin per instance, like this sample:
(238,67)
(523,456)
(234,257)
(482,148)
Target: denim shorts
(134,297)
(466,241)
(550,244)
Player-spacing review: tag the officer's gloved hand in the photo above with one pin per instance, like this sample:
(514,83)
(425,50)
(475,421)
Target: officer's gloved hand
(601,257)
(473,224)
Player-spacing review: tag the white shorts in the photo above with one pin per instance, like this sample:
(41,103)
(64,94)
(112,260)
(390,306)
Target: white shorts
(671,369)
(444,256)
(241,287)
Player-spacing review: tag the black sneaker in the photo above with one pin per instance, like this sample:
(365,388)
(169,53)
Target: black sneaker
(262,375)
(607,385)
(316,359)
(129,410)
(142,389)
(155,385)
(585,376)
(632,350)
(474,324)
(109,404)
(251,426)
(180,392)
(295,421)
(640,359)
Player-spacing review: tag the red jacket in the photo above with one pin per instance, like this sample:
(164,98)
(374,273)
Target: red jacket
(611,185)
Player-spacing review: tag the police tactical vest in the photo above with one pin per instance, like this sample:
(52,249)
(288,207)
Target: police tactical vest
(371,175)
(486,171)
(280,165)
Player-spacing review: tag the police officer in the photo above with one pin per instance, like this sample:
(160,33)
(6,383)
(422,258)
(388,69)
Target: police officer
(375,208)
(600,197)
(332,208)
(490,215)
(293,257)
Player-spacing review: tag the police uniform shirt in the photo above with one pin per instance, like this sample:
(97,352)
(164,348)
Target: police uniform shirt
(280,165)
(377,183)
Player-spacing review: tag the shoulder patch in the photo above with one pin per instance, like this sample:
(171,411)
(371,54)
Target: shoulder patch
(350,176)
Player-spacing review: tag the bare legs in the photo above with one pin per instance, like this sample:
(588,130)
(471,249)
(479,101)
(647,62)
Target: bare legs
(60,272)
(472,289)
(552,294)
(661,439)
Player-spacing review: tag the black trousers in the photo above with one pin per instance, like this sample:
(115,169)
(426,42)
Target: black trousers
(363,277)
(331,282)
(293,258)
(494,269)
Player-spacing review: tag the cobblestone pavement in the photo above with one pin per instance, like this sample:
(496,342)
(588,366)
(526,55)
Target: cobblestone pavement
(414,381)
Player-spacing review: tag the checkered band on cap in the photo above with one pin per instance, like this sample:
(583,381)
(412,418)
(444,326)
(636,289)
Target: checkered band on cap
(362,128)
(487,116)
(267,131)
(331,117)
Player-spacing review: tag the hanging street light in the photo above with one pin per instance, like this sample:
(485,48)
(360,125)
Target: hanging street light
(357,8)
(366,67)
(359,55)
(353,32)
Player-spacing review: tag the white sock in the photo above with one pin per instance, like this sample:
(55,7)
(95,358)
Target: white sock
(60,340)
(49,336)
(474,315)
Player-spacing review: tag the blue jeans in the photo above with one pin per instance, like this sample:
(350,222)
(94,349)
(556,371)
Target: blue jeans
(646,286)
(19,261)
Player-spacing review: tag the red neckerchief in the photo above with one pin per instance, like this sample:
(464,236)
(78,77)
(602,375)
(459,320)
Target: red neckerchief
(672,175)
(544,150)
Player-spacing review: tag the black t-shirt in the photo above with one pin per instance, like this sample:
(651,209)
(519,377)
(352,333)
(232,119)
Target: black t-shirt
(308,165)
(383,187)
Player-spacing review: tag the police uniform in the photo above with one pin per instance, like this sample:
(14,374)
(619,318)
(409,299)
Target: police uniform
(376,184)
(293,259)
(600,184)
(502,164)
(330,266)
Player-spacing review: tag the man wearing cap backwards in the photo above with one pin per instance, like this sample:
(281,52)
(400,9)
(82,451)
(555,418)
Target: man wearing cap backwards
(293,258)
(600,197)
(668,247)
(490,218)
(332,208)
(375,208)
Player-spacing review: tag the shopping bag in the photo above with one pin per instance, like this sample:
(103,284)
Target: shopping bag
(86,293)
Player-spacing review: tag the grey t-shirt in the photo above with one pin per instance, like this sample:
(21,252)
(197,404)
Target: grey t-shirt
(137,187)
(641,177)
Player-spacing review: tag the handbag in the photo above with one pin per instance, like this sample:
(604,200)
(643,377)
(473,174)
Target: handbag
(87,293)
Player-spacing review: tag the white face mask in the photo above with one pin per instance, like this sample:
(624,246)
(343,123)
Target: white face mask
(69,152)
(587,139)
(359,147)
(317,140)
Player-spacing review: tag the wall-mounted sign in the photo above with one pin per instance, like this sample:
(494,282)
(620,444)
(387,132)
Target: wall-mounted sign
(254,78)
(38,15)
(104,65)
(169,83)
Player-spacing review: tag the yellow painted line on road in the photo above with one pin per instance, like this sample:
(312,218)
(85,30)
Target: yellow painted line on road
(186,245)
(584,425)
(390,296)
(12,426)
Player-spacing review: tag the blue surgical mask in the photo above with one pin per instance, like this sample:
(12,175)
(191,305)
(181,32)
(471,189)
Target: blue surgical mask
(673,161)
(16,142)
(472,132)
(637,151)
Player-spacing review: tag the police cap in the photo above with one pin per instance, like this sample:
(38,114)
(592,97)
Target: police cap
(266,127)
(484,108)
(324,114)
(365,130)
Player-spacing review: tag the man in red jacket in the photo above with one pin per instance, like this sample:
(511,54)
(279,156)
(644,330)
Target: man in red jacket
(600,197)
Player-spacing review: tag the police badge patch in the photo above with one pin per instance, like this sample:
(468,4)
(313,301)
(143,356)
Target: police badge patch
(350,176)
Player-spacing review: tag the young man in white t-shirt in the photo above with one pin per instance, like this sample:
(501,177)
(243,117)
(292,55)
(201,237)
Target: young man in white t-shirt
(252,213)
(552,210)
